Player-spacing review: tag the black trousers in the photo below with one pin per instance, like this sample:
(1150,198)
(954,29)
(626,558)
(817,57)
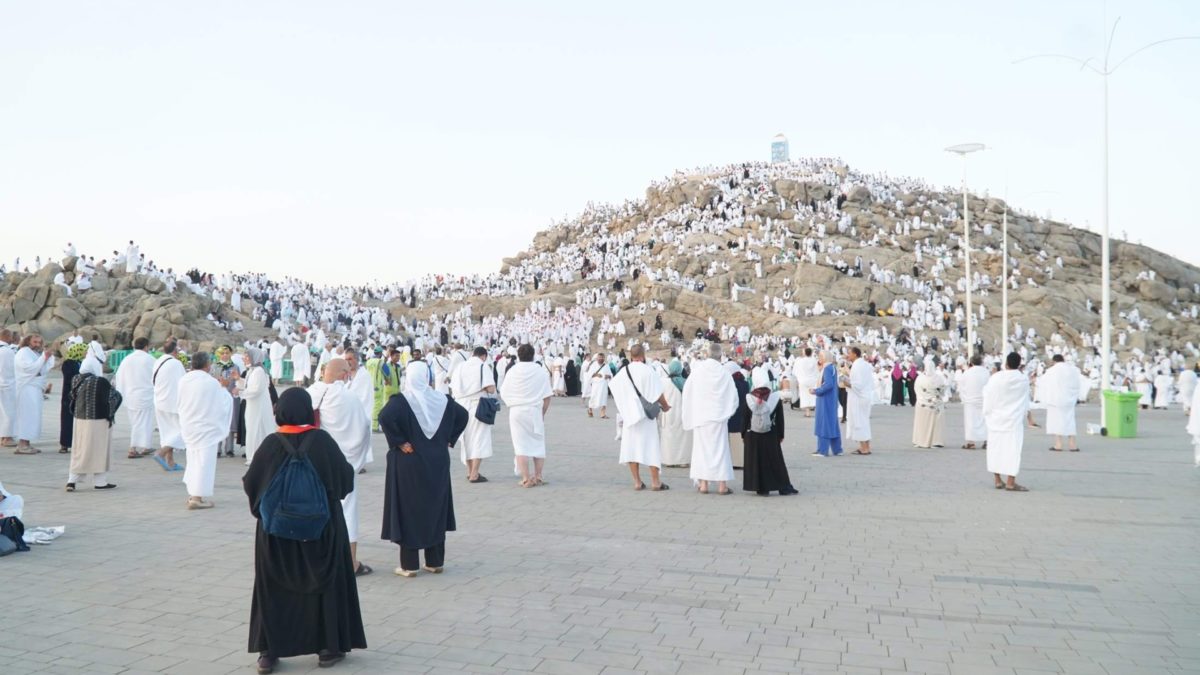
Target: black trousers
(435,556)
(842,401)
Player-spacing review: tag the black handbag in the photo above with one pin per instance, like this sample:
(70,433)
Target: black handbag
(487,407)
(652,409)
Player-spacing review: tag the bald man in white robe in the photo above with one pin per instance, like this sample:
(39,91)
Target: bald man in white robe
(640,443)
(135,382)
(343,416)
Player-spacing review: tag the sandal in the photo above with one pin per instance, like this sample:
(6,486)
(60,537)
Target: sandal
(63,451)
(1073,449)
(539,482)
(27,450)
(407,574)
(70,487)
(726,492)
(1055,449)
(999,486)
(363,570)
(860,452)
(266,664)
(639,487)
(660,488)
(432,570)
(527,484)
(968,446)
(1016,488)
(477,479)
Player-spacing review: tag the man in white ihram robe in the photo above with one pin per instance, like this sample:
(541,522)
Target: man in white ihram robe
(1187,387)
(8,389)
(970,390)
(527,394)
(806,375)
(205,408)
(344,417)
(860,396)
(1162,389)
(31,364)
(709,400)
(168,371)
(135,381)
(1193,426)
(1059,389)
(301,364)
(471,381)
(1005,404)
(277,353)
(639,434)
(599,374)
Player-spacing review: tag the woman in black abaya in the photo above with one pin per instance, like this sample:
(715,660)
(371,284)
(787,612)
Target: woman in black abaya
(765,469)
(571,377)
(305,596)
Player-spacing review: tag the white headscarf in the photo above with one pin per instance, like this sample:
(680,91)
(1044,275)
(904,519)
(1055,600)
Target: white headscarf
(427,404)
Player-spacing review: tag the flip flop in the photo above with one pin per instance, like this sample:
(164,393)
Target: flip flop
(1055,449)
(1017,488)
(660,488)
(363,570)
(727,492)
(860,452)
(1000,486)
(1074,449)
(162,462)
(30,450)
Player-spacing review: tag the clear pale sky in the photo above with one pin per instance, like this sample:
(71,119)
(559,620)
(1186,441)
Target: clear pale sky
(351,141)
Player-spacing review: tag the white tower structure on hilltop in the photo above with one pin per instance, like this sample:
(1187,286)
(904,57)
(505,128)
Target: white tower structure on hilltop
(779,149)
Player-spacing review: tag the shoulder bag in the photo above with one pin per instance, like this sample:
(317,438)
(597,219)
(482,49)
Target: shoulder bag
(487,407)
(651,408)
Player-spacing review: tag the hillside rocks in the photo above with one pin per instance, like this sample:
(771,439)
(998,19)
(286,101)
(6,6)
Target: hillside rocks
(119,308)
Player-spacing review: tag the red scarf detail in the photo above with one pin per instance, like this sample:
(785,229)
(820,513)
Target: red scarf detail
(296,428)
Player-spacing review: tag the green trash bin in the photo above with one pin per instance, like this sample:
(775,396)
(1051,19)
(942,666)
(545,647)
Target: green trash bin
(1121,413)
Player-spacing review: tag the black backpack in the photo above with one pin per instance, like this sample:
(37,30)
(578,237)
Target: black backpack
(295,505)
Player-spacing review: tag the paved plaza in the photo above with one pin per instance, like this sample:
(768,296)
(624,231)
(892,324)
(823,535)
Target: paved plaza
(904,561)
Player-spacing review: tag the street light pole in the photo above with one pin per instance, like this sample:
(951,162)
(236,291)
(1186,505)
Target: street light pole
(1105,273)
(962,150)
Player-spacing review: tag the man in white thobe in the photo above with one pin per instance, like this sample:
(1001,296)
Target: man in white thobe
(440,366)
(471,381)
(1005,404)
(205,408)
(94,360)
(31,364)
(1162,389)
(361,388)
(8,388)
(135,382)
(970,390)
(599,375)
(1186,383)
(168,371)
(1059,390)
(805,375)
(301,364)
(132,256)
(527,394)
(709,400)
(639,434)
(860,396)
(343,416)
(277,353)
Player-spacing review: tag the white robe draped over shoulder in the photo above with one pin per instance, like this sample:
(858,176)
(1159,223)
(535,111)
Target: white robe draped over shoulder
(526,386)
(468,383)
(709,400)
(859,398)
(205,408)
(639,434)
(1005,403)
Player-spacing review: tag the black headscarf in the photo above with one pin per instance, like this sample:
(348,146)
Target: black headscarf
(294,408)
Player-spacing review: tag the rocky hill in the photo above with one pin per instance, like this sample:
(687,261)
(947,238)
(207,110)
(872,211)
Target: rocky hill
(683,210)
(120,307)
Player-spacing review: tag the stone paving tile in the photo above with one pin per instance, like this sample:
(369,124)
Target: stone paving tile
(905,561)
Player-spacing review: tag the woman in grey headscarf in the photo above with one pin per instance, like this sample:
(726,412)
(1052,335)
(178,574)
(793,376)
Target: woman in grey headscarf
(260,415)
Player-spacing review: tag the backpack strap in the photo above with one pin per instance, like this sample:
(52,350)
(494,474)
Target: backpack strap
(292,450)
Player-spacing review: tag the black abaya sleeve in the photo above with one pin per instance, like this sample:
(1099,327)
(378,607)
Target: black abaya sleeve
(393,420)
(459,422)
(262,469)
(777,426)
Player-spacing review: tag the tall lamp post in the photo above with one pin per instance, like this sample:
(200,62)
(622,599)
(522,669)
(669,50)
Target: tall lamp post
(962,150)
(1105,291)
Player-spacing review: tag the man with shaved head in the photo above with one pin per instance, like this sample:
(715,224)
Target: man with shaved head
(343,415)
